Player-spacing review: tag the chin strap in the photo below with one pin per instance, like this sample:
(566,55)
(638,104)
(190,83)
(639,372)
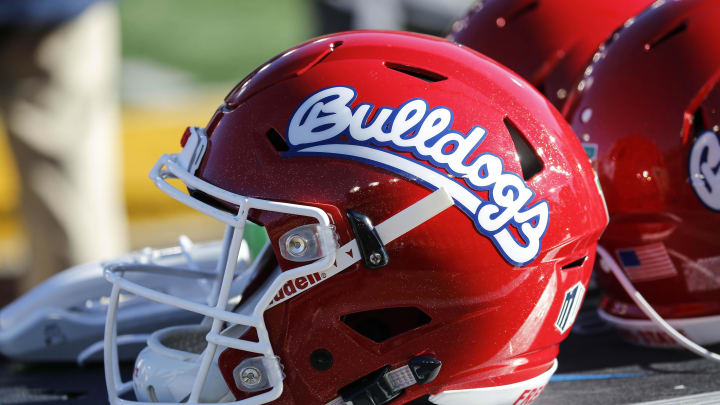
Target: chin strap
(387,231)
(609,264)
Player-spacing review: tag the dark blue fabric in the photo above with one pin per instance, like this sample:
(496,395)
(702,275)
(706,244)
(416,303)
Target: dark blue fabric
(629,258)
(24,13)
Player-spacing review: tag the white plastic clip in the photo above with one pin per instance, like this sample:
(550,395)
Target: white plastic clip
(194,150)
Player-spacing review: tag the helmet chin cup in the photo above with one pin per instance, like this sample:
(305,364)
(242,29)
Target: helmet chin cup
(173,354)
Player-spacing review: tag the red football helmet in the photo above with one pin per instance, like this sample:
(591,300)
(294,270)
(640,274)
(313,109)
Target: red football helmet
(648,112)
(548,42)
(432,225)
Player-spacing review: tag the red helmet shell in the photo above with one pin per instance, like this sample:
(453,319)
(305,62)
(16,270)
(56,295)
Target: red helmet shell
(642,108)
(548,42)
(489,320)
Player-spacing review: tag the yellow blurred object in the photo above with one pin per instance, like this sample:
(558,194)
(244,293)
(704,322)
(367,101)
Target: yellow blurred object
(148,134)
(9,186)
(155,218)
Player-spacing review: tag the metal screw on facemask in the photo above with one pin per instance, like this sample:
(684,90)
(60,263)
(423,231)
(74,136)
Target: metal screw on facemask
(375,258)
(296,245)
(250,376)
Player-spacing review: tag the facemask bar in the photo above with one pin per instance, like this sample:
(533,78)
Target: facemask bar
(173,168)
(213,297)
(608,264)
(389,230)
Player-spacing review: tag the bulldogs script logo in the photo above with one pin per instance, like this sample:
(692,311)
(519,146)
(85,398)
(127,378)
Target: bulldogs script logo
(413,127)
(704,168)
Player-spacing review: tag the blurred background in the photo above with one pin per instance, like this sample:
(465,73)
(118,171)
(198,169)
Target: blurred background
(176,60)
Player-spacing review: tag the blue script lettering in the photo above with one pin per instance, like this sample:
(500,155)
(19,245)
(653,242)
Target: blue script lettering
(414,127)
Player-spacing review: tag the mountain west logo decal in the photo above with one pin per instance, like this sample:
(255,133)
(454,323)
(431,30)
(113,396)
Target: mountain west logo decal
(325,116)
(570,307)
(704,165)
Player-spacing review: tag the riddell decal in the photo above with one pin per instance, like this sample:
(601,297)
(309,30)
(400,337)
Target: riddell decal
(325,116)
(296,286)
(704,168)
(570,307)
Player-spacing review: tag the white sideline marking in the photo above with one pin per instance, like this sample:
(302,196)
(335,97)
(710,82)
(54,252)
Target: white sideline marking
(708,398)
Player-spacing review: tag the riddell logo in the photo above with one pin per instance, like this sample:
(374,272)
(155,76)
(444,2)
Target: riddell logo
(296,286)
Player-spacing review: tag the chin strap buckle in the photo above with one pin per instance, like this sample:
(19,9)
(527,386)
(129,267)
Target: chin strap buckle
(384,385)
(372,248)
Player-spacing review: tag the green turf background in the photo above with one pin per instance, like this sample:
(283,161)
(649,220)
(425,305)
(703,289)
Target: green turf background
(215,40)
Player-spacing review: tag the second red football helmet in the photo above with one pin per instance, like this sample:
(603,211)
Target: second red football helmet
(648,111)
(548,42)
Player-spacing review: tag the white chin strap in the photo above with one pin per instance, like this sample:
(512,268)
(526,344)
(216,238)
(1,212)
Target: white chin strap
(609,264)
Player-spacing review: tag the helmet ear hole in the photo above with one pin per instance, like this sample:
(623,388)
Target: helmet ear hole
(321,359)
(382,324)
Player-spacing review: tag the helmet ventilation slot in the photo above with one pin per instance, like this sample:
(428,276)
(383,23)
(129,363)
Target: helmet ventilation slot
(664,37)
(380,325)
(532,5)
(320,58)
(276,140)
(576,263)
(420,73)
(211,201)
(698,124)
(530,163)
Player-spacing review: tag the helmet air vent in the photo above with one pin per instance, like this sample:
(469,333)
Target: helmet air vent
(276,140)
(515,14)
(666,36)
(698,124)
(380,325)
(575,263)
(530,163)
(420,73)
(330,49)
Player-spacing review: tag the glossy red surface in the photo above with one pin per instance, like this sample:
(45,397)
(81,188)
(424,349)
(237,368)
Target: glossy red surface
(548,42)
(492,323)
(651,92)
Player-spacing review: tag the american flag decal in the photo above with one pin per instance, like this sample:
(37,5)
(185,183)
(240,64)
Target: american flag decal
(570,307)
(645,263)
